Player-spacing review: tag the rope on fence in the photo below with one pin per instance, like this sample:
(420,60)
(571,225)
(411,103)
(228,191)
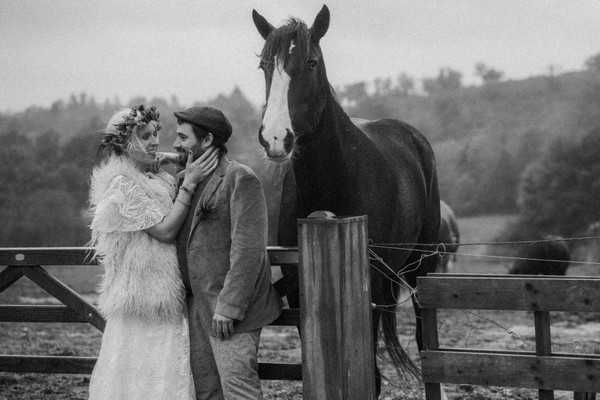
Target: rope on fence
(392,247)
(395,277)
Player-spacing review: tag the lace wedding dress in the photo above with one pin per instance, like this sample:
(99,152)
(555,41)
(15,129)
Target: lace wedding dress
(145,351)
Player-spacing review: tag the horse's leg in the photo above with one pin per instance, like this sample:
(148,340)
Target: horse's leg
(375,337)
(287,235)
(418,326)
(427,264)
(290,287)
(419,336)
(377,290)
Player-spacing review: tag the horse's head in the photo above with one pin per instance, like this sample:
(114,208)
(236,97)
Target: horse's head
(296,82)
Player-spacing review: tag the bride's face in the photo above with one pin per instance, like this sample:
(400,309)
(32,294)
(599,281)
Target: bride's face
(148,137)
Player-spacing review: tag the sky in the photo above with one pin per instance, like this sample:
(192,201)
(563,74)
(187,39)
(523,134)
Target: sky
(196,49)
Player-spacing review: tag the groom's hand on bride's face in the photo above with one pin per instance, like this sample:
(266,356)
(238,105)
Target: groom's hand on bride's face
(198,170)
(222,327)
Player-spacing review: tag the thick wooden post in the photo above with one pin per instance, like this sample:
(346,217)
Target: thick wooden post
(335,309)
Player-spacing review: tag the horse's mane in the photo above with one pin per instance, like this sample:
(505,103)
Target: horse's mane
(279,40)
(278,43)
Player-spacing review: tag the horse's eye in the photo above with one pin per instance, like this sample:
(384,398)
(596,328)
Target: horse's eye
(312,63)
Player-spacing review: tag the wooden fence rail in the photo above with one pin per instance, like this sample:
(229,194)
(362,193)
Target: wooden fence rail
(28,262)
(543,369)
(335,311)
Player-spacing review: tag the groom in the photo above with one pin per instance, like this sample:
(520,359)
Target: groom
(222,254)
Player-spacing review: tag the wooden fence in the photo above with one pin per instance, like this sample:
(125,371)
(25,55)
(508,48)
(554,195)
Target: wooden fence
(337,358)
(543,369)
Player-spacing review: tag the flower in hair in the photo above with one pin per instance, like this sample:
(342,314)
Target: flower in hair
(139,116)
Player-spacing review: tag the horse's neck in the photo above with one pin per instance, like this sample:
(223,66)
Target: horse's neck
(320,169)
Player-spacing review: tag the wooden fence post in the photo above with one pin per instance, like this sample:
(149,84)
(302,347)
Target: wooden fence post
(433,390)
(543,345)
(335,309)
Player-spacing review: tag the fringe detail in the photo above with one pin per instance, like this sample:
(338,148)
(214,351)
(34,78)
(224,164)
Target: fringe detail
(141,274)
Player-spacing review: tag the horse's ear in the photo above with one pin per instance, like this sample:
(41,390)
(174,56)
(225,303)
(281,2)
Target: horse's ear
(321,24)
(263,26)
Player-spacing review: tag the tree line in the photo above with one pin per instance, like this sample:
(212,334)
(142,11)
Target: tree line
(524,147)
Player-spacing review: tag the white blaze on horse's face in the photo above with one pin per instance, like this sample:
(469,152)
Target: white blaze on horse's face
(276,132)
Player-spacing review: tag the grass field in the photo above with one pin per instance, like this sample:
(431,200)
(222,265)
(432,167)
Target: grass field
(499,330)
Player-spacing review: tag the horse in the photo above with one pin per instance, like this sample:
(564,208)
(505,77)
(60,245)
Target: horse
(449,235)
(385,169)
(550,256)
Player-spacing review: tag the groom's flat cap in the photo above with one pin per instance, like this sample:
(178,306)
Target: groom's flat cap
(208,118)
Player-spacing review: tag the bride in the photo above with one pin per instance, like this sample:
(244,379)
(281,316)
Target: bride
(145,345)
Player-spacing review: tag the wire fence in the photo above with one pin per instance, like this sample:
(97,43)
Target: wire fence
(492,243)
(379,265)
(474,320)
(440,248)
(432,252)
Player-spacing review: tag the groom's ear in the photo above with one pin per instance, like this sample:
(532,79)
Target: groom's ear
(207,141)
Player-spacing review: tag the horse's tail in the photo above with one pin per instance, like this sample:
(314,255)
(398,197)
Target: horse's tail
(399,357)
(397,354)
(426,261)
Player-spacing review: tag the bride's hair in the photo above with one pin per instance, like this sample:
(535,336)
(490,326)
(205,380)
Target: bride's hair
(112,142)
(121,126)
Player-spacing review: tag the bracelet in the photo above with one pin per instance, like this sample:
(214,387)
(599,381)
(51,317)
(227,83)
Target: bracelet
(187,204)
(187,190)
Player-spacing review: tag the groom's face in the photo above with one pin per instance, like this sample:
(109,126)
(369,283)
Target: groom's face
(186,141)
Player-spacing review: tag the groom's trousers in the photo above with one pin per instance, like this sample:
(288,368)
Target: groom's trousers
(224,369)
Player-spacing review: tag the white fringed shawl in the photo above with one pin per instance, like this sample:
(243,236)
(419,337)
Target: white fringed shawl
(141,274)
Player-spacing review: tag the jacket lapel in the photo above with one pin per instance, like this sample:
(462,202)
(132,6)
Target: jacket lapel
(208,192)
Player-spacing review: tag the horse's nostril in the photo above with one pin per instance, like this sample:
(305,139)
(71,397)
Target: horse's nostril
(262,140)
(274,137)
(288,141)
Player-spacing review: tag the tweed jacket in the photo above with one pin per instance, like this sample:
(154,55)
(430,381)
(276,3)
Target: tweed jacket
(227,263)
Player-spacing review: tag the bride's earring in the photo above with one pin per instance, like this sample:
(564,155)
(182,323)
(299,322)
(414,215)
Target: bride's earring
(129,148)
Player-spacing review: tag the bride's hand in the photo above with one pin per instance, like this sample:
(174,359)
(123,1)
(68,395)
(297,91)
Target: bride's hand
(163,157)
(197,171)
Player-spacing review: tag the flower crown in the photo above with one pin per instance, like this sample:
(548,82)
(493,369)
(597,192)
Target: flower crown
(138,116)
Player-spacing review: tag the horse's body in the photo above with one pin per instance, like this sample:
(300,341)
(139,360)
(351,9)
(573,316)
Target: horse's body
(384,169)
(449,235)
